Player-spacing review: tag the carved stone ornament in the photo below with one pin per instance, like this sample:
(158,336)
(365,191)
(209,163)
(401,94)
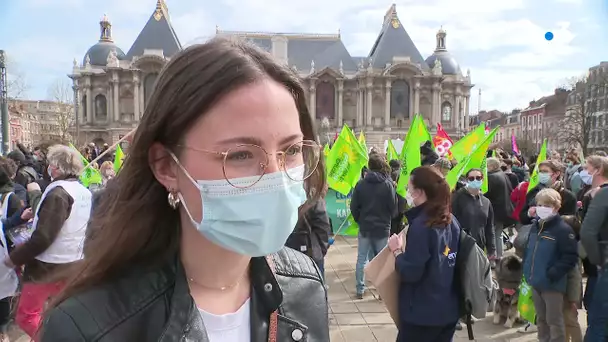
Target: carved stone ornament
(87,62)
(312,67)
(112,60)
(437,68)
(75,64)
(341,67)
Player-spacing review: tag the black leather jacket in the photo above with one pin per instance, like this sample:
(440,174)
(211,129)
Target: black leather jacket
(157,306)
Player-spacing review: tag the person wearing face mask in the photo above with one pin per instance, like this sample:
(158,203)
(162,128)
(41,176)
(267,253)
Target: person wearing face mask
(551,252)
(187,243)
(428,298)
(594,239)
(56,242)
(573,169)
(549,176)
(474,212)
(373,206)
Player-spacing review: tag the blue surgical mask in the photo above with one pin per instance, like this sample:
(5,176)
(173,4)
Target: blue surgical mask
(238,219)
(544,178)
(586,177)
(475,185)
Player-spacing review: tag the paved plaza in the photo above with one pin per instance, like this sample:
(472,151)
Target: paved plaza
(367,320)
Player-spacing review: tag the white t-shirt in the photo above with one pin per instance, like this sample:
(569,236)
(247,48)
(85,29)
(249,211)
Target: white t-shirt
(232,327)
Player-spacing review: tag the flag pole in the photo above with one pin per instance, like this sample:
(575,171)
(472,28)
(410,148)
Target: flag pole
(111,148)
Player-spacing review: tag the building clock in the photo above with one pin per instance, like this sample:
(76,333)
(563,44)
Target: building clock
(395,23)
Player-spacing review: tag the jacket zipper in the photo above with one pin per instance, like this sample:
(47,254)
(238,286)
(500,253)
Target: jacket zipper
(542,226)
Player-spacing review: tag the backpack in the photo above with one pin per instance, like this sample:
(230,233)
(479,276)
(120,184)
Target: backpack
(474,275)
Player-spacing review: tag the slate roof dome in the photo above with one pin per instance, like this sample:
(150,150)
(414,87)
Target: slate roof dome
(98,53)
(449,66)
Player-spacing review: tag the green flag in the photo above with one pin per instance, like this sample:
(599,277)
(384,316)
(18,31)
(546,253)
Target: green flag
(525,304)
(391,152)
(475,160)
(118,158)
(89,174)
(417,134)
(345,161)
(542,156)
(326,150)
(463,147)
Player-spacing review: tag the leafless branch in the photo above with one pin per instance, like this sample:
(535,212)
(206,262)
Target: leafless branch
(576,128)
(17,85)
(60,92)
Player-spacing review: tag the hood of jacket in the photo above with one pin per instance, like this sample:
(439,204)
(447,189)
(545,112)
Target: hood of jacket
(375,177)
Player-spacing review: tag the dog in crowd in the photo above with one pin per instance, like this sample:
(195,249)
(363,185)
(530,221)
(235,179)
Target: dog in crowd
(509,272)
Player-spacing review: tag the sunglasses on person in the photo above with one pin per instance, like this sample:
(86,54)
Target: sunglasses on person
(475,178)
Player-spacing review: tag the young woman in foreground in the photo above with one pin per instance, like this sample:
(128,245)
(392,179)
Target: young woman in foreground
(187,244)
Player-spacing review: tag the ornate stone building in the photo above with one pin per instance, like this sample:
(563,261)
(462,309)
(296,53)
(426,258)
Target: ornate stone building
(378,94)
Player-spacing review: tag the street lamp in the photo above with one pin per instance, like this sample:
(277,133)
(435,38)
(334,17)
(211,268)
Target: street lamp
(4,102)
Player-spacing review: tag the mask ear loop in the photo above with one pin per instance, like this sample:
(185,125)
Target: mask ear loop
(179,194)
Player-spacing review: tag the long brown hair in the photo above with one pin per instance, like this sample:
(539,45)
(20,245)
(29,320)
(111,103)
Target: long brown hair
(134,224)
(438,195)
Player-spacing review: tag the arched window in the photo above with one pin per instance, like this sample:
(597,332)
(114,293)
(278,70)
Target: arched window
(326,102)
(400,99)
(446,112)
(149,82)
(84,108)
(101,107)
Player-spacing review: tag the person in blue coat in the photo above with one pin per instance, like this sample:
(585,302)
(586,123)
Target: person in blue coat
(551,252)
(428,297)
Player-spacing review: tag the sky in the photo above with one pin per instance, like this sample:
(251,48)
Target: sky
(502,42)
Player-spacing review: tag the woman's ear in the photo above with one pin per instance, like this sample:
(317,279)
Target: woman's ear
(163,166)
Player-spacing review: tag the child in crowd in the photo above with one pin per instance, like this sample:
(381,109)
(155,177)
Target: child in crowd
(551,253)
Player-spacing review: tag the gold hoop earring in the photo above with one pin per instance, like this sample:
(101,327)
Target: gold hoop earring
(173,199)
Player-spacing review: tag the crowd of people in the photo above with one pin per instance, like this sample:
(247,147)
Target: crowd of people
(198,237)
(552,219)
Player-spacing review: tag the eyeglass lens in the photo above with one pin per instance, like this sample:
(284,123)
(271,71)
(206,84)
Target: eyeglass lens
(251,161)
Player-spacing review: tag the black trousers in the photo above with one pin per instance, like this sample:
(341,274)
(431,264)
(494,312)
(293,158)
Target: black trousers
(420,333)
(5,314)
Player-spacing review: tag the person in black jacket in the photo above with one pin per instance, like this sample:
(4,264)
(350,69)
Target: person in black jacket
(373,205)
(26,173)
(549,176)
(474,212)
(397,221)
(311,234)
(499,194)
(507,168)
(427,154)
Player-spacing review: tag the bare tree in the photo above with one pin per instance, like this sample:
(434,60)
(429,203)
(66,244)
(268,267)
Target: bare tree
(58,124)
(526,147)
(16,81)
(577,128)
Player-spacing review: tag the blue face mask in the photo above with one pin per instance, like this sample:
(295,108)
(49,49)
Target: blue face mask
(544,178)
(586,177)
(238,219)
(475,185)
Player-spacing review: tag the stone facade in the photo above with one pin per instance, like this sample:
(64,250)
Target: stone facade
(378,94)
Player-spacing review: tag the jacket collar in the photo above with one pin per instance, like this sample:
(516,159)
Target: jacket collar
(414,212)
(266,297)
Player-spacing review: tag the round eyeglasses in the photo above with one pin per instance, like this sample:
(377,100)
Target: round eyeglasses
(245,164)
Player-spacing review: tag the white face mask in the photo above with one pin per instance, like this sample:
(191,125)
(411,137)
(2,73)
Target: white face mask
(410,199)
(238,220)
(544,212)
